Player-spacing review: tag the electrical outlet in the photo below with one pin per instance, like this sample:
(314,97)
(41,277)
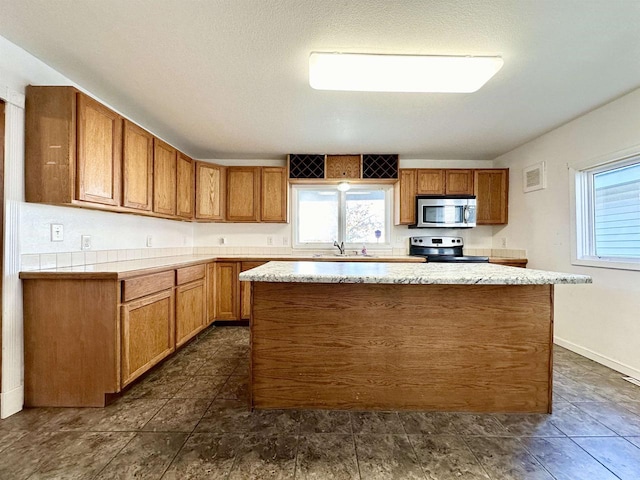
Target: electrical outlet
(57,232)
(85,242)
(149,241)
(269,240)
(503,242)
(285,240)
(223,240)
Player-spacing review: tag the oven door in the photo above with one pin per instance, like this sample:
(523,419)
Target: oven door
(445,213)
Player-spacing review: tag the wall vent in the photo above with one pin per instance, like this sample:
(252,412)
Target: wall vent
(534,177)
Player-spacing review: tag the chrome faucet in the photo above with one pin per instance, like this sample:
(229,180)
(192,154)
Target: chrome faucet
(340,246)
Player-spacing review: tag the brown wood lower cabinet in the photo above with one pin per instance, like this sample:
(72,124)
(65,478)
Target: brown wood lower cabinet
(147,333)
(227,298)
(190,311)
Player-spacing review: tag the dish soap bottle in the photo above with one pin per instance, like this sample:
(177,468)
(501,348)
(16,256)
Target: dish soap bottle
(364,250)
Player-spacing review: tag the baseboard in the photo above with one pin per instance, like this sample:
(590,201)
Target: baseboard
(596,357)
(11,402)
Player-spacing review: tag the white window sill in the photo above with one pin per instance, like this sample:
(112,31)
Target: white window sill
(622,264)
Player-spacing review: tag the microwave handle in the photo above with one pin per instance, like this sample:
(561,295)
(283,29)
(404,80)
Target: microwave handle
(466,214)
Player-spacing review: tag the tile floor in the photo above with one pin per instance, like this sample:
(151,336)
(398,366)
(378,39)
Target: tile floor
(188,420)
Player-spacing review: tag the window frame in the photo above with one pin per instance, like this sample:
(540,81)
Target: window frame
(583,210)
(385,242)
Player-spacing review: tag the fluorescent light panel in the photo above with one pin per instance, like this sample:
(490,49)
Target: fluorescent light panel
(400,73)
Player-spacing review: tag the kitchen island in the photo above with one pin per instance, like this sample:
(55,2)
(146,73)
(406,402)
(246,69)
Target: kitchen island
(376,336)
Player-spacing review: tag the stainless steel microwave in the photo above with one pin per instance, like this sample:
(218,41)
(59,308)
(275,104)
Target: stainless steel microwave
(450,211)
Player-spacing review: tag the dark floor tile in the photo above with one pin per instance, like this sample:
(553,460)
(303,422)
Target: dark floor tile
(159,387)
(29,419)
(324,421)
(23,457)
(428,423)
(615,453)
(9,436)
(445,457)
(202,387)
(478,424)
(382,457)
(178,415)
(576,391)
(179,367)
(634,440)
(615,417)
(236,388)
(146,456)
(230,416)
(633,407)
(376,422)
(565,460)
(506,458)
(266,457)
(242,368)
(529,425)
(85,457)
(572,421)
(218,366)
(327,457)
(205,456)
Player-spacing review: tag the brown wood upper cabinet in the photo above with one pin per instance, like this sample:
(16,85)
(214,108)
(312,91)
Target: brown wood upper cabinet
(405,197)
(137,167)
(273,199)
(491,188)
(73,149)
(210,191)
(185,186)
(99,152)
(164,177)
(243,194)
(342,166)
(458,182)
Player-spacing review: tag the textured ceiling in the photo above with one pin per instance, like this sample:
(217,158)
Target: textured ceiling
(229,78)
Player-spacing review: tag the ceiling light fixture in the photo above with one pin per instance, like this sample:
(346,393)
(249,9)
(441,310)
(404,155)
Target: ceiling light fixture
(344,186)
(400,73)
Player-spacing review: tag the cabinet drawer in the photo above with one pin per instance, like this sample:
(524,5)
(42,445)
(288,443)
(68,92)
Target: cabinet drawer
(190,274)
(146,285)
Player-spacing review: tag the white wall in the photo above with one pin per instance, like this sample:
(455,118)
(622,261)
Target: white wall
(600,320)
(255,235)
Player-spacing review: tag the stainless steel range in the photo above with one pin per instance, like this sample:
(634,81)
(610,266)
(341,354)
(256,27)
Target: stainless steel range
(442,249)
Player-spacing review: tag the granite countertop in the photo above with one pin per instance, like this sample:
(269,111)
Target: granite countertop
(407,273)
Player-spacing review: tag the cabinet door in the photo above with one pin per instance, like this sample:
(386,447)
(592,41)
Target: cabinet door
(343,166)
(459,182)
(147,333)
(491,188)
(99,146)
(273,204)
(190,311)
(185,186)
(164,178)
(405,197)
(245,290)
(243,194)
(431,181)
(227,300)
(137,167)
(210,191)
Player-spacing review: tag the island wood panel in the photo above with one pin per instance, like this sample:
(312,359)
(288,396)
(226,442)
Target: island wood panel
(245,290)
(481,348)
(137,166)
(72,342)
